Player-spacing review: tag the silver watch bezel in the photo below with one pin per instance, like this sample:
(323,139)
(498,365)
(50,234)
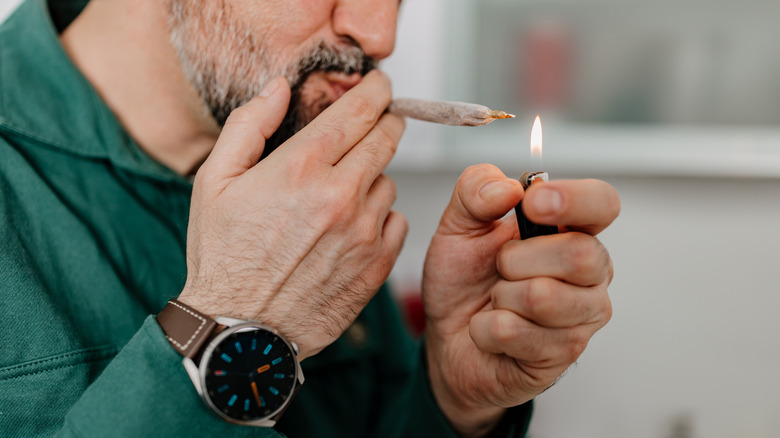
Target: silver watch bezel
(197,372)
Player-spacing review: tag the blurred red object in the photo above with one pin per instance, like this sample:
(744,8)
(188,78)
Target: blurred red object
(543,66)
(414,313)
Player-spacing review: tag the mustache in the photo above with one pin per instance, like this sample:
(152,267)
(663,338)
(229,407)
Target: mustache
(327,58)
(321,58)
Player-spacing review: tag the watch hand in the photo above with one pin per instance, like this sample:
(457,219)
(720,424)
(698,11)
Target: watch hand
(263,368)
(257,396)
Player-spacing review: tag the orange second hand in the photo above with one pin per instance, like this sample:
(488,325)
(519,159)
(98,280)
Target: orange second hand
(257,396)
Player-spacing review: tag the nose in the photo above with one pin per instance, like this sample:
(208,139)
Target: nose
(370,23)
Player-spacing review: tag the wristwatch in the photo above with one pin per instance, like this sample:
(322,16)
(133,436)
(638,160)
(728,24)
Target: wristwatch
(245,371)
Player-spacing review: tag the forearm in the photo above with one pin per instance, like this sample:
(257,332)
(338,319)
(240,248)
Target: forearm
(145,392)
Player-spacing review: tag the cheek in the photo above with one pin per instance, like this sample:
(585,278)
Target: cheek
(288,27)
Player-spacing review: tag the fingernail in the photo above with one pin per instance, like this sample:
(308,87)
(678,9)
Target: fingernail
(493,189)
(270,87)
(547,201)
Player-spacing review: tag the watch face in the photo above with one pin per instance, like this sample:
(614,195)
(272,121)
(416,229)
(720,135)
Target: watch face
(250,374)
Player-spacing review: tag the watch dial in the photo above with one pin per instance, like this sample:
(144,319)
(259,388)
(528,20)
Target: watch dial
(250,374)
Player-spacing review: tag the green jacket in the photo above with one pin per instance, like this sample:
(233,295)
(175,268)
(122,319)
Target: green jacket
(92,245)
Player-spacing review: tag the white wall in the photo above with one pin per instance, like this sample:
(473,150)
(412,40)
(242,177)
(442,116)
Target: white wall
(6,7)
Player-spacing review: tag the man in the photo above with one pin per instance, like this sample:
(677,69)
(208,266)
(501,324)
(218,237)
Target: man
(99,129)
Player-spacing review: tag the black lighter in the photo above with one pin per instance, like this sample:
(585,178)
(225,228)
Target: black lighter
(527,228)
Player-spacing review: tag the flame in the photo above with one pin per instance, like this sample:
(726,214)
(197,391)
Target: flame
(536,143)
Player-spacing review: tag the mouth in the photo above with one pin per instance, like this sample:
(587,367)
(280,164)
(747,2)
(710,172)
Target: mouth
(317,91)
(340,83)
(329,86)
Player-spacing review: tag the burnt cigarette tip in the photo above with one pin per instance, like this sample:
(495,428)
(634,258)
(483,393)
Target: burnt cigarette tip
(501,115)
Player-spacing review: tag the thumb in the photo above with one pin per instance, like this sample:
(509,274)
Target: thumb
(241,143)
(482,195)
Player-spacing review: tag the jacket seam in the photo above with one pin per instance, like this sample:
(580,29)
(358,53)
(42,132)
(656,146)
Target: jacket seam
(90,355)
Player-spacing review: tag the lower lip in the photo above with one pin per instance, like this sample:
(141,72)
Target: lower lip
(339,89)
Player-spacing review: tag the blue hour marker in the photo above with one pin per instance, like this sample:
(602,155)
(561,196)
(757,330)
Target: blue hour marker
(246,404)
(276,361)
(232,400)
(278,376)
(223,388)
(273,390)
(254,344)
(267,349)
(238,348)
(226,358)
(262,402)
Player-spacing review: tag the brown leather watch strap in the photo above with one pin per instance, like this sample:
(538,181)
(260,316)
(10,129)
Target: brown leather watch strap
(186,328)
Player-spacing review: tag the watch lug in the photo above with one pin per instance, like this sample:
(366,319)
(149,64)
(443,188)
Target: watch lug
(300,372)
(194,373)
(228,321)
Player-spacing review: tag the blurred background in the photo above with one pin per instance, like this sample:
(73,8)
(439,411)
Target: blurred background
(676,104)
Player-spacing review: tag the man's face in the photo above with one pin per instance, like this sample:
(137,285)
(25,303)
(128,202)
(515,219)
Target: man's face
(230,49)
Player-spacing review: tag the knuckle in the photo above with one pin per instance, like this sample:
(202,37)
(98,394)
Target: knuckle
(333,206)
(541,297)
(585,256)
(388,188)
(576,346)
(389,183)
(386,137)
(329,133)
(362,108)
(610,270)
(503,329)
(366,231)
(604,315)
(371,151)
(300,172)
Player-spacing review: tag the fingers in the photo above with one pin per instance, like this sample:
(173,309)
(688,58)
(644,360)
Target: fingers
(381,197)
(242,140)
(392,225)
(552,303)
(343,124)
(574,257)
(504,332)
(369,158)
(585,205)
(394,233)
(482,195)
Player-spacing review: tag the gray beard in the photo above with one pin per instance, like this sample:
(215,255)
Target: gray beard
(228,67)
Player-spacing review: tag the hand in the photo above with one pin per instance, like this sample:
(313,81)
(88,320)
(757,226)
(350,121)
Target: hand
(505,318)
(302,240)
